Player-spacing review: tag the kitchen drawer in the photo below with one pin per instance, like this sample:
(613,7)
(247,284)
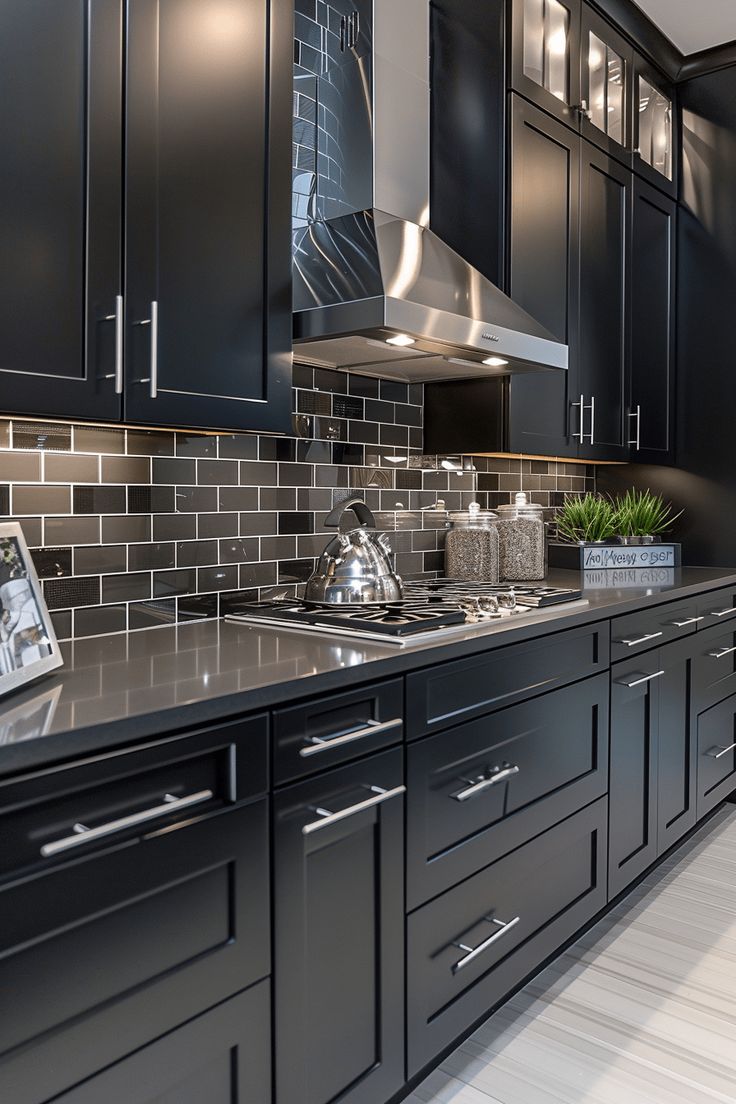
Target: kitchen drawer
(716,755)
(326,731)
(470,947)
(481,790)
(222,1057)
(714,666)
(108,950)
(458,691)
(652,627)
(120,793)
(717,607)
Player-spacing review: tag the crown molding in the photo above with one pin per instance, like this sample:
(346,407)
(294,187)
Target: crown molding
(707,61)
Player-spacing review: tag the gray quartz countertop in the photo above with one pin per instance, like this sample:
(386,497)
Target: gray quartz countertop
(128,687)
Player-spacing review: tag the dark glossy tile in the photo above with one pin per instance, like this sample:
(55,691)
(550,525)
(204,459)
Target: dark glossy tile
(20,467)
(147,615)
(126,588)
(126,469)
(295,475)
(217,473)
(39,435)
(366,432)
(65,593)
(32,528)
(259,524)
(314,498)
(99,500)
(416,438)
(312,545)
(102,439)
(97,622)
(365,386)
(488,481)
(218,525)
(100,559)
(325,379)
(196,553)
(234,601)
(172,470)
(167,584)
(195,500)
(197,607)
(348,454)
(218,578)
(330,429)
(81,530)
(151,500)
(258,574)
(303,376)
(196,444)
(314,402)
(241,550)
(41,500)
(394,435)
(379,411)
(408,479)
(61,621)
(314,452)
(174,527)
(416,394)
(302,426)
(4,434)
(238,498)
(278,548)
(52,563)
(239,446)
(4,500)
(153,442)
(277,498)
(344,406)
(291,524)
(258,474)
(295,571)
(277,448)
(127,528)
(392,391)
(408,415)
(58,468)
(150,557)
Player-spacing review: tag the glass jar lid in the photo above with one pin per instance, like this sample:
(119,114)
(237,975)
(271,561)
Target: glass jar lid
(522,508)
(472,518)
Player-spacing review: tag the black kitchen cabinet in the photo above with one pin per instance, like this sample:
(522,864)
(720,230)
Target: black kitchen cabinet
(544,276)
(338,935)
(606,87)
(207,213)
(545,55)
(222,1057)
(655,140)
(60,200)
(651,412)
(716,755)
(677,750)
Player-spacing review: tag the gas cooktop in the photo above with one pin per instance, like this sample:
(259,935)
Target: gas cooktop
(429,609)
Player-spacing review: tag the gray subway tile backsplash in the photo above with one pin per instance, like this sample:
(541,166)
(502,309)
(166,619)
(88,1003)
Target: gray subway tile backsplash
(132,528)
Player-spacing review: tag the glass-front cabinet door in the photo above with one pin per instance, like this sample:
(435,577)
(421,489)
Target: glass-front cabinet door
(606,83)
(655,152)
(545,64)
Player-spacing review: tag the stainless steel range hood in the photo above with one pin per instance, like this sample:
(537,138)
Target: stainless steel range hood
(374,289)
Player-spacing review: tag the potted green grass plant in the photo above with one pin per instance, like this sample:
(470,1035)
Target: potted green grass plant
(642,517)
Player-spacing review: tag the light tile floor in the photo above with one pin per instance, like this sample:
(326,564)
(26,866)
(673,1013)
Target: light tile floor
(641,1010)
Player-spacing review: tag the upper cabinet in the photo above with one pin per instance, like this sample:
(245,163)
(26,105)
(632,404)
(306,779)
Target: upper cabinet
(160,293)
(655,151)
(545,53)
(61,85)
(607,81)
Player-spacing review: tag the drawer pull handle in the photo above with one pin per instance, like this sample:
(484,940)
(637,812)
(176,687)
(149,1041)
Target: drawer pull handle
(719,752)
(82,834)
(500,774)
(328,817)
(722,613)
(723,652)
(640,681)
(684,624)
(639,639)
(473,952)
(318,744)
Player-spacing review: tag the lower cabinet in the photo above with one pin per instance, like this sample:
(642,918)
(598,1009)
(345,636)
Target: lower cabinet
(716,755)
(467,949)
(339,935)
(223,1057)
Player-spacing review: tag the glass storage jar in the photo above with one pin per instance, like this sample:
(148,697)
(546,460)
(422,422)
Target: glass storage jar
(471,545)
(522,537)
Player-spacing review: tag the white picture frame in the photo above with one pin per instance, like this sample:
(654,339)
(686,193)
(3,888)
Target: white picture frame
(28,644)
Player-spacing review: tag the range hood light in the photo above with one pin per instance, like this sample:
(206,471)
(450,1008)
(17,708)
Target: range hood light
(495,362)
(402,340)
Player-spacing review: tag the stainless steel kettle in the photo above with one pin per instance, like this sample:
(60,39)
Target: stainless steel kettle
(356,568)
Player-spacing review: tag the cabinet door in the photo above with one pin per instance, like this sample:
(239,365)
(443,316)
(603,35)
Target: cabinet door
(605,226)
(632,833)
(208,267)
(60,196)
(655,144)
(222,1057)
(652,387)
(339,935)
(544,274)
(606,85)
(545,55)
(677,750)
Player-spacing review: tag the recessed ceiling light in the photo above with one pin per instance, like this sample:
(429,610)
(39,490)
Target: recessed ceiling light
(495,362)
(402,340)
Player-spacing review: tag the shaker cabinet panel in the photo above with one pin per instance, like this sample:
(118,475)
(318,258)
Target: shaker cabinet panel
(655,133)
(61,85)
(545,52)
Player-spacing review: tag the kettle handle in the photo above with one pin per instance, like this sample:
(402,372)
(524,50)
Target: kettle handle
(359,508)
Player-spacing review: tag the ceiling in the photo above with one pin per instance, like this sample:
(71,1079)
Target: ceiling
(693,24)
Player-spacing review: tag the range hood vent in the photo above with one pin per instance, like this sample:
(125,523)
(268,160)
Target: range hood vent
(375,290)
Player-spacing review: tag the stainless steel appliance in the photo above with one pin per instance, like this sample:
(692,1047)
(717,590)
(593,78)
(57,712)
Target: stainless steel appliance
(356,567)
(430,610)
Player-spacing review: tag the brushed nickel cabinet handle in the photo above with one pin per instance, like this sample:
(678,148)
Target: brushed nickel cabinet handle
(723,652)
(152,379)
(640,681)
(83,835)
(329,817)
(117,318)
(639,639)
(580,434)
(719,752)
(504,927)
(722,613)
(318,744)
(637,439)
(500,775)
(684,624)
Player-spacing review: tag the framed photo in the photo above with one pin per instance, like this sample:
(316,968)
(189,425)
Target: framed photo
(28,645)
